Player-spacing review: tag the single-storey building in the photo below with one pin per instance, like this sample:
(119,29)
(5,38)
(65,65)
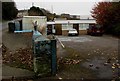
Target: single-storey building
(58,26)
(61,27)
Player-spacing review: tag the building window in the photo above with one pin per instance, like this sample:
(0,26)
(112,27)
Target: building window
(70,26)
(64,27)
(83,26)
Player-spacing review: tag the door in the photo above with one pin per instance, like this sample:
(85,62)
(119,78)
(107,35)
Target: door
(49,29)
(58,29)
(76,26)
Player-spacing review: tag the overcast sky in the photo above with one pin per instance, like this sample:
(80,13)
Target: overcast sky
(73,7)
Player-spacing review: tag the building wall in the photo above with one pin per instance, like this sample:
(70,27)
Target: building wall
(28,21)
(82,32)
(62,29)
(22,13)
(83,26)
(65,32)
(80,25)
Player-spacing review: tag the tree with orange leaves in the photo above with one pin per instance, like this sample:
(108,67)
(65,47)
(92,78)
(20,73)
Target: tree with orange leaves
(107,14)
(100,11)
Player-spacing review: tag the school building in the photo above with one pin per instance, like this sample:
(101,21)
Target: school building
(61,27)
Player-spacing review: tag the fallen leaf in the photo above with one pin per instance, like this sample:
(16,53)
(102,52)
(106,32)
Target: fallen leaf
(94,51)
(113,67)
(88,54)
(102,53)
(105,64)
(97,49)
(29,80)
(117,61)
(112,80)
(82,78)
(76,55)
(59,78)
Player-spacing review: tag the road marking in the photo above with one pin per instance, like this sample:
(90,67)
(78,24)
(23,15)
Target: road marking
(74,39)
(60,42)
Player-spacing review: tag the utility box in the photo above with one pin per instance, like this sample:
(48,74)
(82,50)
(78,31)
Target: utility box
(44,50)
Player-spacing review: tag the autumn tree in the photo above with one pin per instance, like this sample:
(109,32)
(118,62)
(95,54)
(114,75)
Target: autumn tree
(100,10)
(115,11)
(107,14)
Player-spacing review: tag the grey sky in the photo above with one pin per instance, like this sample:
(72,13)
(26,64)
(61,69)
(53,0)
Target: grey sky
(71,7)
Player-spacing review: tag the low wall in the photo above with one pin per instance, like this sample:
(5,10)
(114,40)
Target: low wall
(82,32)
(65,32)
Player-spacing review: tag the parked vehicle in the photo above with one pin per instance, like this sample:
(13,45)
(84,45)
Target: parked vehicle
(95,30)
(72,32)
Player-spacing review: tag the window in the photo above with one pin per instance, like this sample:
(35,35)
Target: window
(86,26)
(83,26)
(70,26)
(64,26)
(80,26)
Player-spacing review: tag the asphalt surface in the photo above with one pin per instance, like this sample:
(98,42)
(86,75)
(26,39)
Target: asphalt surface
(4,25)
(86,43)
(96,50)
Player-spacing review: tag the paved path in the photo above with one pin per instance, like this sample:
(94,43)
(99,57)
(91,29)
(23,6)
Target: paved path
(9,72)
(3,25)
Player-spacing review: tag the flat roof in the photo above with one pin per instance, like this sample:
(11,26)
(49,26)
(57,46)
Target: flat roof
(51,22)
(72,21)
(34,16)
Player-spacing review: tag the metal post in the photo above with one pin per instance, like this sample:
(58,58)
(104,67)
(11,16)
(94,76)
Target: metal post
(54,59)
